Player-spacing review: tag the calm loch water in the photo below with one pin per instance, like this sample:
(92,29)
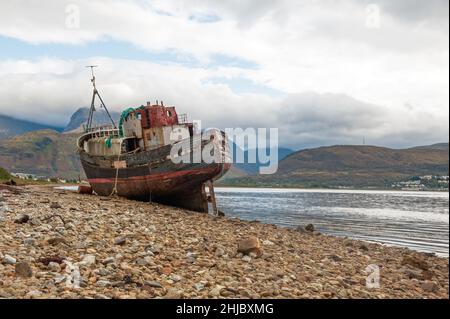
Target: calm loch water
(417,220)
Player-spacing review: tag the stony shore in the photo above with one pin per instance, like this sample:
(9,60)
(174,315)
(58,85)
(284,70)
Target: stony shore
(129,249)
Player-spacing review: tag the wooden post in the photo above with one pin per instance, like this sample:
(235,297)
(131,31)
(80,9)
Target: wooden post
(212,197)
(204,198)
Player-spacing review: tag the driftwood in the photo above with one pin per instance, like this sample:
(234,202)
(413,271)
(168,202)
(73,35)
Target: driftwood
(53,216)
(47,260)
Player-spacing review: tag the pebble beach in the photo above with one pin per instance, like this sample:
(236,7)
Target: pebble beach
(61,244)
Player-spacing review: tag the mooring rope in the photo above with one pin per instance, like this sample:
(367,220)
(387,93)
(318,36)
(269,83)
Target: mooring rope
(150,188)
(114,191)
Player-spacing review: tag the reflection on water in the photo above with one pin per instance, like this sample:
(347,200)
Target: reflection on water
(418,220)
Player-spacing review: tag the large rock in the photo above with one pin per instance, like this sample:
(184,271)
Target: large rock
(415,262)
(249,245)
(22,219)
(429,286)
(23,269)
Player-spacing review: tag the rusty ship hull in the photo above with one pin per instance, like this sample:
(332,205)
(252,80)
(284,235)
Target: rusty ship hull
(133,158)
(152,176)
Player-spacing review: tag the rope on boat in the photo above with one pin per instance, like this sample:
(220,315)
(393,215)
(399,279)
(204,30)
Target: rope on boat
(150,172)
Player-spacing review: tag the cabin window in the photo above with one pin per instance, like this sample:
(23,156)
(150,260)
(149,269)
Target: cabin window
(169,114)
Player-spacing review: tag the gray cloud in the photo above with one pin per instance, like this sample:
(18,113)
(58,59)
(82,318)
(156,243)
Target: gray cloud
(312,119)
(416,11)
(317,46)
(315,113)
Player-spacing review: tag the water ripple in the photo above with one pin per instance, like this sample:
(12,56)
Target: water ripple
(417,220)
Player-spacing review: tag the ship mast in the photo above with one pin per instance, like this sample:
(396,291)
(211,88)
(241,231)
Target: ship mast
(92,109)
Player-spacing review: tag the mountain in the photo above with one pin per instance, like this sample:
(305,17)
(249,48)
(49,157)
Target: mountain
(244,169)
(253,168)
(352,166)
(10,126)
(81,115)
(45,152)
(50,153)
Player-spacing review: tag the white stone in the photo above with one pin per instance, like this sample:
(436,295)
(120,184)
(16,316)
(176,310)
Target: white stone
(4,208)
(141,262)
(103,272)
(219,251)
(55,267)
(28,241)
(103,283)
(9,260)
(34,294)
(59,279)
(88,260)
(199,286)
(175,277)
(215,292)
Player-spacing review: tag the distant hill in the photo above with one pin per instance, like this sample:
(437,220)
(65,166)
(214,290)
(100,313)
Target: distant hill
(44,152)
(439,146)
(352,166)
(10,126)
(81,115)
(50,153)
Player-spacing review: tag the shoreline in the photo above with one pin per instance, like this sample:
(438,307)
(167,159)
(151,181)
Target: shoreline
(335,189)
(338,189)
(129,249)
(219,185)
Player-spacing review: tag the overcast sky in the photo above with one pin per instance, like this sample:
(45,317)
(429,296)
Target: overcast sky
(322,71)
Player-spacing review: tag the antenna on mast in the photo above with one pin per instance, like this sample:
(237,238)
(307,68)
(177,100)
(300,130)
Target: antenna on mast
(92,72)
(92,109)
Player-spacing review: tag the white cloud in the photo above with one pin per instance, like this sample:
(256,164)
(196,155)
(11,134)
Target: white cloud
(321,46)
(51,90)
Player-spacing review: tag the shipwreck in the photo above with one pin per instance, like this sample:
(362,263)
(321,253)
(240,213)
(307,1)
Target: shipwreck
(151,154)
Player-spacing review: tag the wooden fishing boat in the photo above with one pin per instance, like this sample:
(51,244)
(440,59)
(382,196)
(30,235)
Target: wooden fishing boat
(153,154)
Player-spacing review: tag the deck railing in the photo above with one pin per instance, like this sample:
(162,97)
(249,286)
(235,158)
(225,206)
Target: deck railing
(98,131)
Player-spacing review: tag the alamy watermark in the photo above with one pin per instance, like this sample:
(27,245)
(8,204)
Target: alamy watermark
(73,276)
(373,16)
(72,20)
(232,145)
(373,276)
